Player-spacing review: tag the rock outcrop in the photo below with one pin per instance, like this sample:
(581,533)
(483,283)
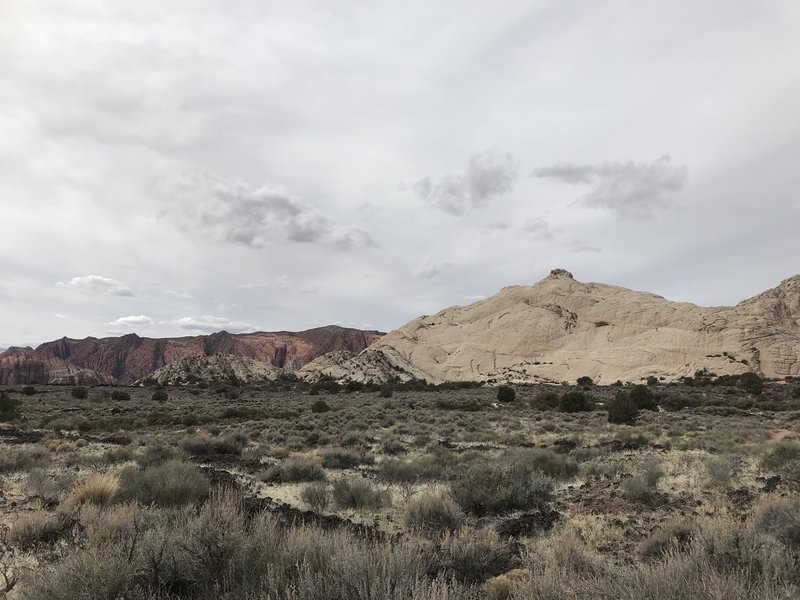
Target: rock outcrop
(216,367)
(560,329)
(125,359)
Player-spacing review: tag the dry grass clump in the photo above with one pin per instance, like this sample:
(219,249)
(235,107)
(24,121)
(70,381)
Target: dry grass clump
(316,495)
(643,488)
(22,458)
(48,488)
(99,489)
(293,470)
(204,444)
(779,517)
(492,487)
(474,555)
(672,536)
(784,458)
(358,493)
(433,513)
(36,528)
(345,458)
(722,470)
(173,483)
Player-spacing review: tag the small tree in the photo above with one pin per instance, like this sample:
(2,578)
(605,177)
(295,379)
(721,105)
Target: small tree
(505,393)
(320,406)
(642,397)
(752,383)
(8,407)
(572,402)
(80,393)
(585,381)
(386,392)
(622,409)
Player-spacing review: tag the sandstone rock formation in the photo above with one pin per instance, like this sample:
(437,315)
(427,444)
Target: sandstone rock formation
(129,358)
(216,367)
(560,329)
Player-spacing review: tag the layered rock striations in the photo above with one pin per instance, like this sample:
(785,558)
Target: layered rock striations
(560,329)
(128,358)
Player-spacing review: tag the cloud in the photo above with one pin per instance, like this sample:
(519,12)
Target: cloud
(431,270)
(98,285)
(132,321)
(539,229)
(628,189)
(211,324)
(486,176)
(231,211)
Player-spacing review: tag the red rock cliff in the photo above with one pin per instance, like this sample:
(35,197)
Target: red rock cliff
(128,358)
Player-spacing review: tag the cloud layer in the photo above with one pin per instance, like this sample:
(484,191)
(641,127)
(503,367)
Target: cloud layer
(486,176)
(629,189)
(233,212)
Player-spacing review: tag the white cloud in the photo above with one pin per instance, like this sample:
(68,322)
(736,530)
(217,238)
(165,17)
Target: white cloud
(132,321)
(97,284)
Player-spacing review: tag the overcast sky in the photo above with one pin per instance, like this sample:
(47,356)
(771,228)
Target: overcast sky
(181,167)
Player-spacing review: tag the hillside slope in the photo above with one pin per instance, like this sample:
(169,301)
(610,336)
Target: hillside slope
(129,358)
(560,329)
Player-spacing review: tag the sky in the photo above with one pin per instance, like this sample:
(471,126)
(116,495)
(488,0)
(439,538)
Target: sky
(183,167)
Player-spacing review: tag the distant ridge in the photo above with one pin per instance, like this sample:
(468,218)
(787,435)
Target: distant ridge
(560,329)
(125,359)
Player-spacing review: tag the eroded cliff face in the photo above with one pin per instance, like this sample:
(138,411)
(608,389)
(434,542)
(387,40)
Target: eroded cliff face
(560,329)
(129,358)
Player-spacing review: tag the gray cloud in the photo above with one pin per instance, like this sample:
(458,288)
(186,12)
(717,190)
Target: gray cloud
(429,270)
(233,212)
(539,229)
(98,284)
(486,176)
(631,190)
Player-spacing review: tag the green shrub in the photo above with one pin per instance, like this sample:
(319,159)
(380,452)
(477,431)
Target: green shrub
(433,513)
(80,393)
(386,392)
(173,483)
(642,397)
(28,390)
(506,393)
(358,493)
(160,396)
(752,383)
(120,395)
(584,381)
(316,495)
(572,402)
(623,409)
(545,401)
(320,406)
(293,470)
(9,408)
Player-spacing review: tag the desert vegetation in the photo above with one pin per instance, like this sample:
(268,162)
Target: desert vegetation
(289,491)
